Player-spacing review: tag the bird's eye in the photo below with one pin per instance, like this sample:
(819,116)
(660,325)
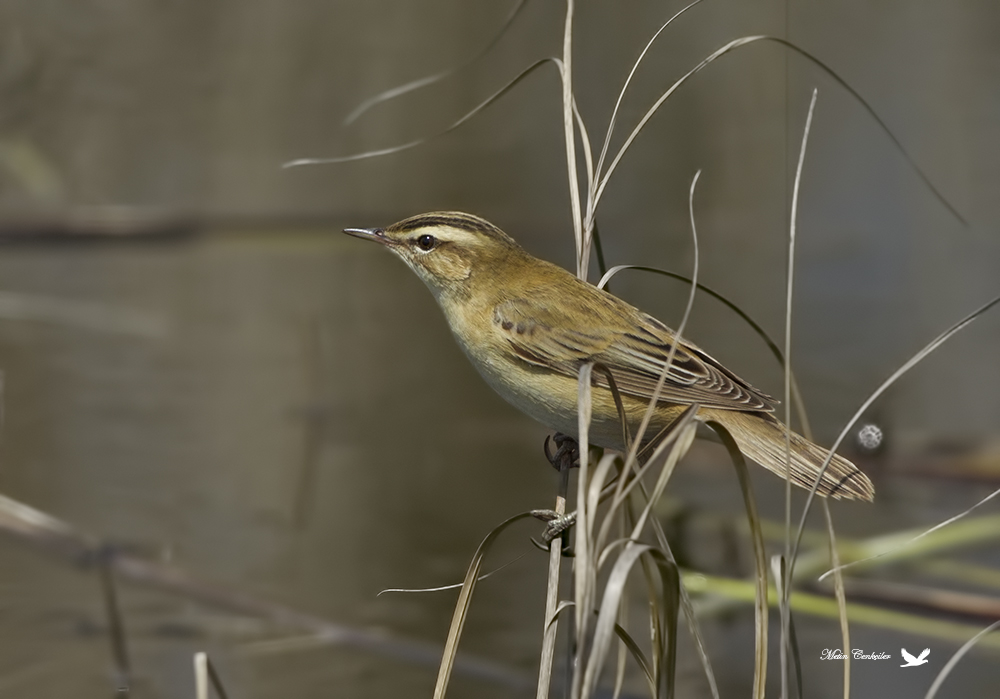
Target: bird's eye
(426,242)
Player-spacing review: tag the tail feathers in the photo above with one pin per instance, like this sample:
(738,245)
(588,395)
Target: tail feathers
(762,438)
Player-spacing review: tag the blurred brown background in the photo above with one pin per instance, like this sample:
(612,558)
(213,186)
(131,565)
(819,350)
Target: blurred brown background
(197,364)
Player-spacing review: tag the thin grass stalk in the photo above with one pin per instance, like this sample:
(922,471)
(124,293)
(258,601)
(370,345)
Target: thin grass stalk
(953,661)
(67,543)
(594,195)
(681,446)
(793,221)
(664,610)
(594,494)
(904,545)
(606,176)
(588,162)
(685,601)
(550,632)
(743,41)
(910,363)
(650,409)
(201,681)
(401,90)
(591,198)
(629,644)
(299,162)
(838,589)
(462,606)
(686,604)
(585,574)
(619,407)
(116,627)
(626,485)
(205,676)
(754,325)
(656,642)
(621,629)
(760,558)
(585,682)
(664,625)
(893,551)
(582,254)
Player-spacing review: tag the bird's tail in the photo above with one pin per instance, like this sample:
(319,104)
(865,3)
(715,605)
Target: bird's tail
(762,438)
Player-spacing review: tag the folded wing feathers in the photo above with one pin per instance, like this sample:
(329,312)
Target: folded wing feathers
(636,358)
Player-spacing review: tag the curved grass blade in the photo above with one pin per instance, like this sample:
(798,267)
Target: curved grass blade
(585,569)
(449,587)
(685,599)
(621,95)
(626,639)
(462,605)
(638,656)
(588,155)
(953,661)
(840,595)
(685,437)
(760,558)
(420,141)
(431,79)
(552,604)
(793,641)
(771,344)
(690,616)
(743,41)
(613,591)
(786,587)
(903,545)
(617,396)
(566,74)
(793,222)
(648,415)
(677,430)
(896,375)
(205,675)
(595,234)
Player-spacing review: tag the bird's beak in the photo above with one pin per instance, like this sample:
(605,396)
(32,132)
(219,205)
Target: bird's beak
(376,234)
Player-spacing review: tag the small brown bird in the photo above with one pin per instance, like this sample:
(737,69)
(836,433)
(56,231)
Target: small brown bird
(528,326)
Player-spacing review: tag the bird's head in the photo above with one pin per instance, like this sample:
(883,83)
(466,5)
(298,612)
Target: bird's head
(446,248)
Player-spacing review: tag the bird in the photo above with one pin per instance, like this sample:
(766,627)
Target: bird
(528,326)
(914,661)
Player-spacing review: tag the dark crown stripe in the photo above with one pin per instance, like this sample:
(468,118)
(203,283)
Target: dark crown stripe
(455,219)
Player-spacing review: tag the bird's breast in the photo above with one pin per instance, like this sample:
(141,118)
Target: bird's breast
(549,396)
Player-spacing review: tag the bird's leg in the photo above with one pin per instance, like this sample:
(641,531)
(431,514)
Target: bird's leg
(567,454)
(565,457)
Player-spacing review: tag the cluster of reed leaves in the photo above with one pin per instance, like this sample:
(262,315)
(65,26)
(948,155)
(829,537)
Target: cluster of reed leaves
(616,539)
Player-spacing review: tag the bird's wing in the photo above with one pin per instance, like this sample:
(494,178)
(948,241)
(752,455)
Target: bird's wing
(927,651)
(635,347)
(907,657)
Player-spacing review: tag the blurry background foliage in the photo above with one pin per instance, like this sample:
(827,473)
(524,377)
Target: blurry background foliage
(188,109)
(242,386)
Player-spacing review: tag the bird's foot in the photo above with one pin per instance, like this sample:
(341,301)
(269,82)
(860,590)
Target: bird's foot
(557,525)
(567,453)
